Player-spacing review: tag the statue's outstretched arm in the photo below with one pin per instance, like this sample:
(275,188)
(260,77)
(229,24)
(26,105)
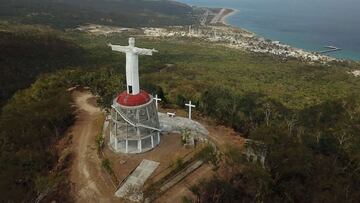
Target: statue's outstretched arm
(140,51)
(119,48)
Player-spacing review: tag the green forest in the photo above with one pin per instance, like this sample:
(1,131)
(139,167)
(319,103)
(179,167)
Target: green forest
(71,13)
(307,115)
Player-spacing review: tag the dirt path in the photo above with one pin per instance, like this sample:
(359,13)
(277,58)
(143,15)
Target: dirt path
(89,181)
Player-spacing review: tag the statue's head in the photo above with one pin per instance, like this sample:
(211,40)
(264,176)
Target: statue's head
(132,41)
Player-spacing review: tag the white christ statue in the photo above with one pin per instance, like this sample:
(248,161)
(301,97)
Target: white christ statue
(132,64)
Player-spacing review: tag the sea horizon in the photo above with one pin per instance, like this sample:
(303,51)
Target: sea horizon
(287,22)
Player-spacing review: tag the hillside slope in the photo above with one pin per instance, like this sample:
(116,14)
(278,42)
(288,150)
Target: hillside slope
(67,13)
(27,51)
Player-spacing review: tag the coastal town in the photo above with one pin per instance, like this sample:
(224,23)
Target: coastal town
(212,27)
(238,39)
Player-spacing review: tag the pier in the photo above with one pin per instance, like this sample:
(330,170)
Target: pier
(329,49)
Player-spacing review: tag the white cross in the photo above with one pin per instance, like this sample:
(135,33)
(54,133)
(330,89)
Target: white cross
(190,106)
(157,99)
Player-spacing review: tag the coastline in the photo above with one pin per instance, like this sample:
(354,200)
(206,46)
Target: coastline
(225,13)
(222,15)
(281,24)
(226,16)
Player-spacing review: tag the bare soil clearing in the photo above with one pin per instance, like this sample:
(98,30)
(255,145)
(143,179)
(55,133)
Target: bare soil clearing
(90,183)
(169,150)
(221,136)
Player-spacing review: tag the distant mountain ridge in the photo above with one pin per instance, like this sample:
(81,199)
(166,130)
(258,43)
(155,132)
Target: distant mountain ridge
(70,13)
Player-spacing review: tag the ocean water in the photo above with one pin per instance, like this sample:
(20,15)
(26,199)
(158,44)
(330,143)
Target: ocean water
(306,24)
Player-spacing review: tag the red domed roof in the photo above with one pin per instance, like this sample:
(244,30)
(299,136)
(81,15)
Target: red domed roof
(126,99)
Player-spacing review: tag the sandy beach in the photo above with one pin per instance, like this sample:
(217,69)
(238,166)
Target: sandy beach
(223,14)
(227,14)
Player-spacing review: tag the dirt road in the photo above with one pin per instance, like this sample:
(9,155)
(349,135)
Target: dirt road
(90,183)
